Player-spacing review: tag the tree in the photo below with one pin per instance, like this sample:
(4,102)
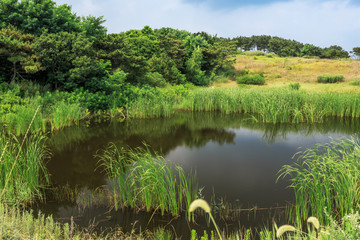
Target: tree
(194,73)
(311,50)
(335,52)
(68,60)
(36,16)
(16,47)
(130,52)
(284,47)
(356,51)
(92,27)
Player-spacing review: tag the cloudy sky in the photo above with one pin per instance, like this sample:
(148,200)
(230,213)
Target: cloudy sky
(319,22)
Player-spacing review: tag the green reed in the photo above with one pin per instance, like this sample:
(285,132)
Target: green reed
(326,177)
(269,105)
(154,105)
(143,180)
(64,114)
(22,176)
(274,105)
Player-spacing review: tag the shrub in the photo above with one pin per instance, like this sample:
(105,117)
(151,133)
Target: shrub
(328,78)
(254,53)
(294,86)
(256,79)
(242,72)
(355,82)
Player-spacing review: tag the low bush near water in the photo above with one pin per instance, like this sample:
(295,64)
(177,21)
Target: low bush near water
(328,78)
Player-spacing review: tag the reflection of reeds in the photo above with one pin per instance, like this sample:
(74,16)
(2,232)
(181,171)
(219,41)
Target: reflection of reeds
(142,180)
(326,176)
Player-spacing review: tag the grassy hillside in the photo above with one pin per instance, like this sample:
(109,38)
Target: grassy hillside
(280,71)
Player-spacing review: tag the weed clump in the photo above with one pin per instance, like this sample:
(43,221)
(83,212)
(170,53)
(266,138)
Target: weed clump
(355,82)
(294,86)
(256,79)
(328,78)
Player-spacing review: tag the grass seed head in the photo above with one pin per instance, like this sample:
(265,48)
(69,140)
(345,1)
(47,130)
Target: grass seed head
(314,221)
(283,229)
(199,203)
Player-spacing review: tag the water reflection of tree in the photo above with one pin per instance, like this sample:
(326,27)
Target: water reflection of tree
(74,148)
(190,129)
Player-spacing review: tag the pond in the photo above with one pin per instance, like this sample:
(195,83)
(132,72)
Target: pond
(235,158)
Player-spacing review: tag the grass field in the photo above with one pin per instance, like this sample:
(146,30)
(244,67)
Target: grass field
(280,71)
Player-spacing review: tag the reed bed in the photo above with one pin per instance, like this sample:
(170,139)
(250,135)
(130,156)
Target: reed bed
(65,114)
(22,177)
(159,105)
(143,180)
(52,118)
(326,179)
(275,105)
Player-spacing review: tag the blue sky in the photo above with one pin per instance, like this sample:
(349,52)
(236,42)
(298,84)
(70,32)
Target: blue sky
(319,22)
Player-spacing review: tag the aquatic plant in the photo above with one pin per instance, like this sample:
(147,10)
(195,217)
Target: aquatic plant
(326,176)
(141,179)
(22,167)
(273,105)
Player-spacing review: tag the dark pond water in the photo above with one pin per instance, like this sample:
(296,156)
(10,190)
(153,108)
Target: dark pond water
(235,159)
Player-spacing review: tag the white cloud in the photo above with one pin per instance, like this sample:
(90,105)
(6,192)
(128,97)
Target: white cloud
(322,23)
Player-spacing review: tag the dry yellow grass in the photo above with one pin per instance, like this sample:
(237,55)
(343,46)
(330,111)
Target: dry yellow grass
(281,71)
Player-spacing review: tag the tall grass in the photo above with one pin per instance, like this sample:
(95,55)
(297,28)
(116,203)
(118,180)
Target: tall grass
(270,105)
(155,105)
(326,177)
(16,224)
(65,114)
(22,177)
(55,117)
(274,105)
(143,180)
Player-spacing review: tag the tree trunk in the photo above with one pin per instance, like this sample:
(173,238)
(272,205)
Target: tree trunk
(14,74)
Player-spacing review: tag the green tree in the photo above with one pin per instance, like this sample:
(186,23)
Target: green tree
(194,73)
(335,52)
(93,28)
(356,51)
(311,50)
(36,16)
(68,60)
(130,52)
(16,48)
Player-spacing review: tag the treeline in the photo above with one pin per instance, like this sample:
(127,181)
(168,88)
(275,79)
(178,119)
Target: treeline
(288,48)
(46,48)
(48,44)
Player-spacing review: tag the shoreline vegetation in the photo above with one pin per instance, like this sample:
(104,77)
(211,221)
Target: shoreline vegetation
(267,105)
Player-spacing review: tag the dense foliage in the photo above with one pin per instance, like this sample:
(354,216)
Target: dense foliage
(289,48)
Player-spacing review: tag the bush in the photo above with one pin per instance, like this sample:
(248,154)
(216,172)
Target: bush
(355,82)
(294,86)
(242,72)
(328,78)
(251,79)
(254,53)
